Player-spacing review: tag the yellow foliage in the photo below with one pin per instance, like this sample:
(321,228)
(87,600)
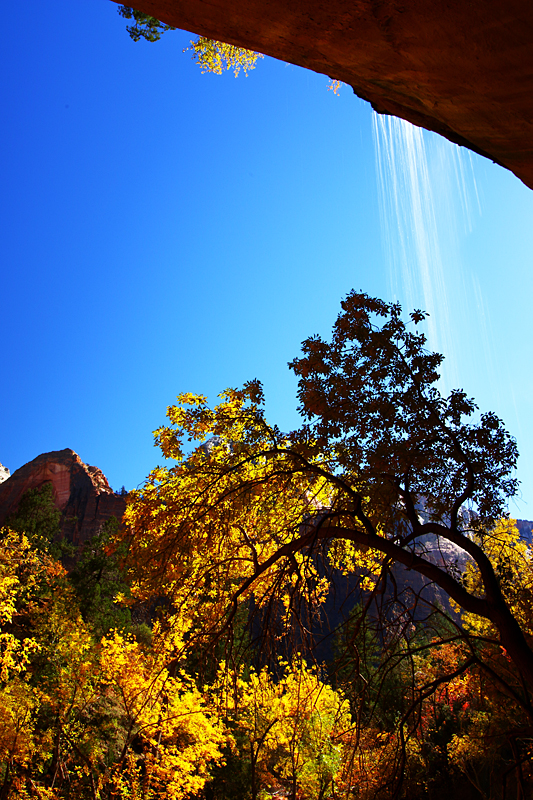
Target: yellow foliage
(473,752)
(213,56)
(334,86)
(294,724)
(17,705)
(91,716)
(512,560)
(21,570)
(348,558)
(177,734)
(46,669)
(220,526)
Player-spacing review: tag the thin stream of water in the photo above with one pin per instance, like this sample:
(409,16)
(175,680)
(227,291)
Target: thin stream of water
(427,195)
(429,204)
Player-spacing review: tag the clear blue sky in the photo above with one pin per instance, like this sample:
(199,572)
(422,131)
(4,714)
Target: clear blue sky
(168,231)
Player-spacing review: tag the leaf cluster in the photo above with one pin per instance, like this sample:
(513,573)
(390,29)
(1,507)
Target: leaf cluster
(145,26)
(217,57)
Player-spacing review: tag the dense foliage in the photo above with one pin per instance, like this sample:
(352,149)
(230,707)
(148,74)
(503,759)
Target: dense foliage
(253,628)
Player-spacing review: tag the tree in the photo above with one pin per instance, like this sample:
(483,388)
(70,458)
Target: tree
(145,27)
(38,517)
(97,580)
(89,718)
(215,57)
(169,736)
(210,55)
(385,470)
(47,676)
(290,727)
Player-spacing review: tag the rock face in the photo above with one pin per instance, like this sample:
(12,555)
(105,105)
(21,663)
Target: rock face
(462,69)
(526,530)
(81,493)
(4,473)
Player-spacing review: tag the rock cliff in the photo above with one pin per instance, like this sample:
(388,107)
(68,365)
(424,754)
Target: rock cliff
(526,530)
(81,493)
(462,69)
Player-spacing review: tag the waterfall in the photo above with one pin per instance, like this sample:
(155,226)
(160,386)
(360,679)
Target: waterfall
(427,193)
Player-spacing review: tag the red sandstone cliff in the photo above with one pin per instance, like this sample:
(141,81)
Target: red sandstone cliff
(81,493)
(462,68)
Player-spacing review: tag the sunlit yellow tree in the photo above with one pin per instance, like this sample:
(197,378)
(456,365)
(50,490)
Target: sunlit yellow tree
(293,726)
(210,55)
(47,680)
(169,736)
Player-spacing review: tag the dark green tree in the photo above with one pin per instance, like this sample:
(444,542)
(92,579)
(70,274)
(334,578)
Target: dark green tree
(38,517)
(145,27)
(98,578)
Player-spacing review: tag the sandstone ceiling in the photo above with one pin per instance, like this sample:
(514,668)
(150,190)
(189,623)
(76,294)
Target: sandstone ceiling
(462,68)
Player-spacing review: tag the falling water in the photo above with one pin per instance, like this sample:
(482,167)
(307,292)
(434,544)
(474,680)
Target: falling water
(426,186)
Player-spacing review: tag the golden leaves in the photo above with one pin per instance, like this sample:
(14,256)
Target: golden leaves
(177,734)
(512,560)
(216,57)
(294,723)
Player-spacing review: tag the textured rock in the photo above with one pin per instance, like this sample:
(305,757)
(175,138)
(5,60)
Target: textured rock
(526,528)
(81,493)
(462,69)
